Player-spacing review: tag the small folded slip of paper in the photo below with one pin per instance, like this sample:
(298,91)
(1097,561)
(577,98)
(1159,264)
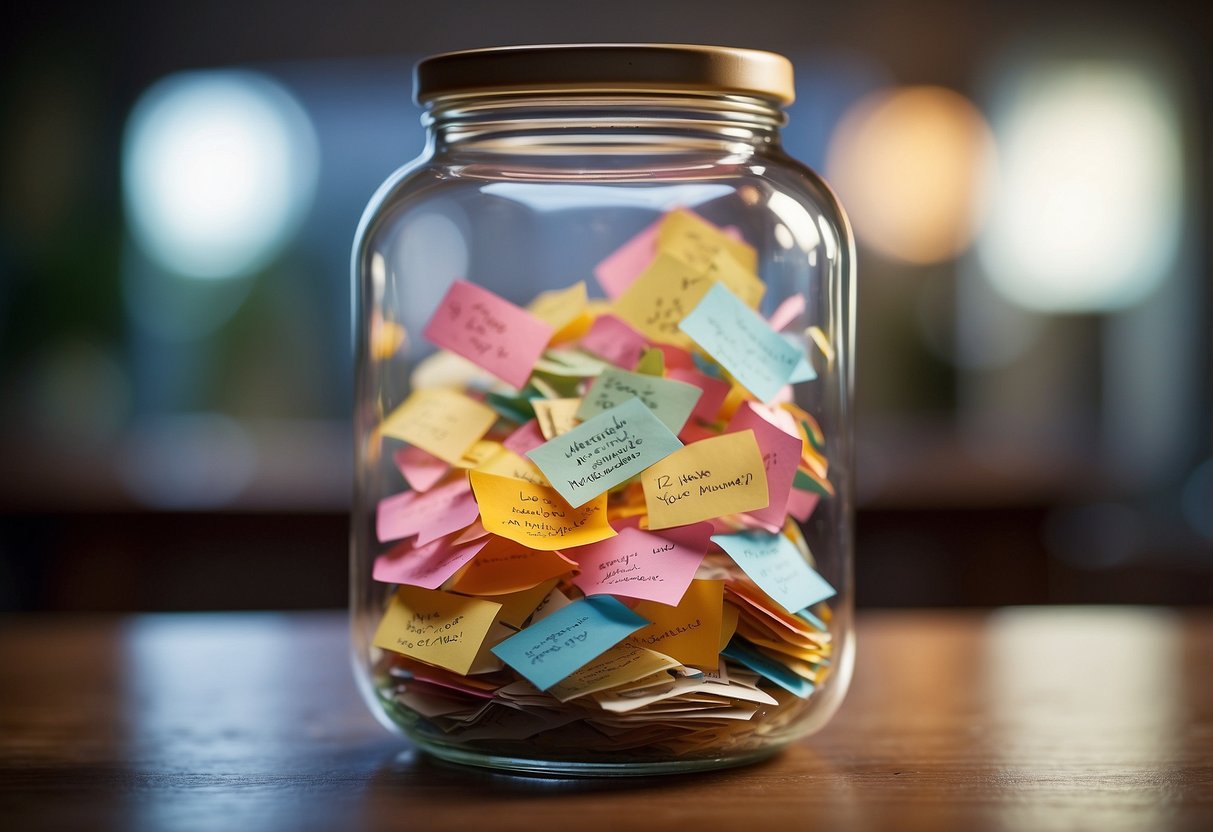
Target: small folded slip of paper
(671,401)
(550,650)
(776,565)
(780,456)
(489,331)
(743,343)
(636,564)
(706,479)
(429,515)
(604,451)
(440,421)
(538,517)
(427,565)
(436,627)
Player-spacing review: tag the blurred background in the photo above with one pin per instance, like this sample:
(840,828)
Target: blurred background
(1030,184)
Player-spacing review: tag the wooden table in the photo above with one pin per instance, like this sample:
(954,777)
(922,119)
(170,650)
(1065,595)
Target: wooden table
(1033,719)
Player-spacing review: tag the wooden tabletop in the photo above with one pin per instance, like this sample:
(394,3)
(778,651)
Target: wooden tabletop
(1033,719)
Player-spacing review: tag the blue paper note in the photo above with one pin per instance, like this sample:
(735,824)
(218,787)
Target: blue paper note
(739,651)
(568,639)
(603,451)
(671,401)
(804,370)
(775,564)
(742,342)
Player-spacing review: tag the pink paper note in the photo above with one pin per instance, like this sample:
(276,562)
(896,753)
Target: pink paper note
(428,515)
(616,273)
(676,358)
(714,391)
(692,431)
(426,566)
(489,331)
(614,340)
(802,503)
(786,312)
(780,455)
(421,470)
(526,438)
(637,564)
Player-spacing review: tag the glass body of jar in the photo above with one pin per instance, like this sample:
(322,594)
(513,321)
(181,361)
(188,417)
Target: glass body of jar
(602,519)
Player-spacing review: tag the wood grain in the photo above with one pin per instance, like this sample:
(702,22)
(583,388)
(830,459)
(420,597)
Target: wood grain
(1030,718)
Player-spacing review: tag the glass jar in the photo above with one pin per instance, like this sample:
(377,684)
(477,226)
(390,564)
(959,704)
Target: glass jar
(602,519)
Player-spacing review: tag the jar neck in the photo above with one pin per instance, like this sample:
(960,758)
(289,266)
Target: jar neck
(600,122)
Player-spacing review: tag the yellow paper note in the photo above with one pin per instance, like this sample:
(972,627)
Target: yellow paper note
(689,632)
(706,479)
(506,463)
(436,627)
(697,242)
(740,281)
(556,416)
(503,567)
(560,308)
(661,297)
(440,421)
(728,624)
(480,453)
(538,517)
(621,664)
(516,607)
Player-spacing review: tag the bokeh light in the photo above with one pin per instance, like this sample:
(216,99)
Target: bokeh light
(219,169)
(909,164)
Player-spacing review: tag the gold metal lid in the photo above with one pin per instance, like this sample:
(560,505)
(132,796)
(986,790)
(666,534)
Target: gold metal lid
(606,67)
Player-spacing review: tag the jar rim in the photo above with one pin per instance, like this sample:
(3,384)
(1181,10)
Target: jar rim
(605,68)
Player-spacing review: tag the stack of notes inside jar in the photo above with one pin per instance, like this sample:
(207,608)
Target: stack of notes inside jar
(597,537)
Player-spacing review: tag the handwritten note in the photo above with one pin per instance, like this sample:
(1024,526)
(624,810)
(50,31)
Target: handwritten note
(742,342)
(430,515)
(706,479)
(670,401)
(506,463)
(441,421)
(435,627)
(636,564)
(556,416)
(620,665)
(698,242)
(538,517)
(517,607)
(503,566)
(604,451)
(780,456)
(489,331)
(559,307)
(612,339)
(551,649)
(664,293)
(774,563)
(690,631)
(426,566)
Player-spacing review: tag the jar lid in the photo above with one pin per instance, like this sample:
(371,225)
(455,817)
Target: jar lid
(606,67)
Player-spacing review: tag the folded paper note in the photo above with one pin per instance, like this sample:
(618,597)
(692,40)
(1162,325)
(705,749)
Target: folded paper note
(420,469)
(697,242)
(430,514)
(612,339)
(636,564)
(538,517)
(604,451)
(571,637)
(617,666)
(426,566)
(436,627)
(556,416)
(671,401)
(441,421)
(489,331)
(505,566)
(780,456)
(775,564)
(690,631)
(706,479)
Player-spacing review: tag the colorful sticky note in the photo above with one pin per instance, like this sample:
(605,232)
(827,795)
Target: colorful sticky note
(670,401)
(435,627)
(690,631)
(551,649)
(776,565)
(441,421)
(559,307)
(657,301)
(556,416)
(426,566)
(526,437)
(622,266)
(739,651)
(506,463)
(697,242)
(489,331)
(780,456)
(614,340)
(742,342)
(714,392)
(420,469)
(538,517)
(503,566)
(429,514)
(604,451)
(706,479)
(620,665)
(636,564)
(517,607)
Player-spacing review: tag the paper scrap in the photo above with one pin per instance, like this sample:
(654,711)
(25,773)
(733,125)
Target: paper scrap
(690,631)
(506,463)
(780,457)
(612,339)
(619,665)
(636,564)
(429,514)
(435,627)
(774,563)
(529,435)
(742,342)
(441,421)
(551,649)
(504,566)
(620,268)
(489,331)
(706,479)
(714,391)
(538,517)
(604,451)
(426,566)
(664,293)
(559,307)
(556,416)
(739,651)
(696,241)
(670,400)
(420,469)
(517,607)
